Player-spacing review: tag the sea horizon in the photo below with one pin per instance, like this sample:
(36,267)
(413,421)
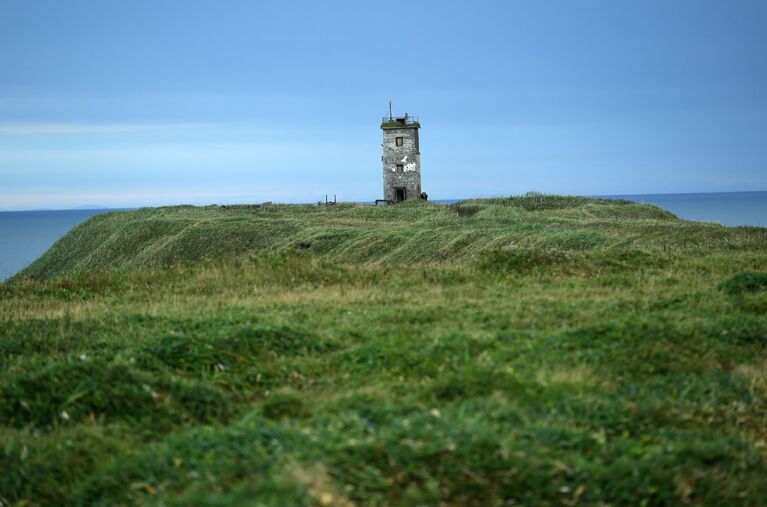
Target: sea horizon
(229,202)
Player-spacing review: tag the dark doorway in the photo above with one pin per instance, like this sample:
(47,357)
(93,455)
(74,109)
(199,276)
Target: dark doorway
(399,194)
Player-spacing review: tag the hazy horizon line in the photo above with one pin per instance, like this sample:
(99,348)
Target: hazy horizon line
(228,201)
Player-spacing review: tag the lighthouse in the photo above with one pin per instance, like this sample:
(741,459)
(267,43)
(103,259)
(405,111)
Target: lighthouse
(401,158)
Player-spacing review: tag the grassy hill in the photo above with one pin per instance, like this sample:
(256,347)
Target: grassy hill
(537,350)
(412,233)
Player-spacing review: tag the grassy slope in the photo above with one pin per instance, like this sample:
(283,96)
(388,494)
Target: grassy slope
(411,233)
(543,350)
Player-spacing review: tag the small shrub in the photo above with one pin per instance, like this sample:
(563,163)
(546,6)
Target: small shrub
(745,282)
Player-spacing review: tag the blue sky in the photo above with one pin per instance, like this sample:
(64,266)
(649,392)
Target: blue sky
(159,102)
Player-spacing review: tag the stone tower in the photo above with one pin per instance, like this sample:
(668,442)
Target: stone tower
(401,158)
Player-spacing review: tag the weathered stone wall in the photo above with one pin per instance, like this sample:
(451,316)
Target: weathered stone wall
(408,156)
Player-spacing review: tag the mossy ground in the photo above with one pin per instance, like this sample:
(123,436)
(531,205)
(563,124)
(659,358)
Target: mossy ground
(540,351)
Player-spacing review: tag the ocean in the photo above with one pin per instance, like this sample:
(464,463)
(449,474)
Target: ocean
(25,235)
(726,208)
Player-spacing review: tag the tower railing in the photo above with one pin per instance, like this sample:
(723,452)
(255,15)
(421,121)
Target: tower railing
(404,120)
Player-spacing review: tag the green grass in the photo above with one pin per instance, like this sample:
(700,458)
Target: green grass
(534,350)
(394,124)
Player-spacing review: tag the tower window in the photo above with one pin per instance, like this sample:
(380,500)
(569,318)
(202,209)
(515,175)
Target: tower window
(400,168)
(399,141)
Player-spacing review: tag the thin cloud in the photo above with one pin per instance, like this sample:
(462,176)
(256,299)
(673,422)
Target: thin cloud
(89,128)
